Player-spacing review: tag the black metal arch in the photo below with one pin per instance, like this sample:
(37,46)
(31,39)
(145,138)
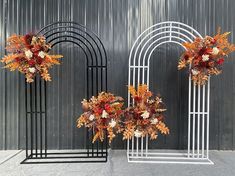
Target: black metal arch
(36,96)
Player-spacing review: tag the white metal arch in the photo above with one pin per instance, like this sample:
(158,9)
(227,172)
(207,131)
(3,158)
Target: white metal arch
(198,106)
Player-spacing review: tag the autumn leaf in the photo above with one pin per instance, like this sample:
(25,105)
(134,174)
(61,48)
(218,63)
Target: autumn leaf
(181,64)
(132,91)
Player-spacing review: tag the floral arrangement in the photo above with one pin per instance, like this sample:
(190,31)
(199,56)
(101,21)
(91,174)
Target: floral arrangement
(145,116)
(29,55)
(102,113)
(205,56)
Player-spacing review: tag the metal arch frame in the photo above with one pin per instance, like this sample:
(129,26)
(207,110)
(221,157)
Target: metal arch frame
(36,97)
(198,133)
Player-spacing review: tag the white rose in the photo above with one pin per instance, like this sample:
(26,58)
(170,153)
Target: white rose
(205,57)
(137,133)
(104,114)
(145,115)
(154,121)
(32,70)
(28,54)
(215,51)
(195,72)
(41,54)
(91,117)
(112,123)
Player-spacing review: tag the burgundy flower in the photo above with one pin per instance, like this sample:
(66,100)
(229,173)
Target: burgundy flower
(186,56)
(39,60)
(202,51)
(18,59)
(28,39)
(220,61)
(137,98)
(31,62)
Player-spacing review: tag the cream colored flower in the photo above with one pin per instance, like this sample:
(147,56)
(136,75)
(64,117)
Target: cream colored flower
(137,133)
(28,54)
(34,40)
(215,51)
(41,54)
(104,114)
(194,72)
(205,57)
(145,115)
(154,121)
(112,123)
(32,70)
(91,117)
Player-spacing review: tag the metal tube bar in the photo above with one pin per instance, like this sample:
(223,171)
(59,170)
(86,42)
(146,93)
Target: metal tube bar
(45,121)
(35,115)
(189,114)
(31,119)
(26,120)
(40,108)
(208,109)
(198,120)
(132,146)
(92,144)
(142,145)
(146,146)
(137,146)
(194,103)
(203,119)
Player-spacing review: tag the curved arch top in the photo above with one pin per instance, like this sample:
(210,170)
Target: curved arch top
(80,35)
(164,32)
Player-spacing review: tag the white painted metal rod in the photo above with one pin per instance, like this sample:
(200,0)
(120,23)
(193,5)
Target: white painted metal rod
(194,104)
(203,119)
(146,146)
(189,115)
(198,120)
(208,109)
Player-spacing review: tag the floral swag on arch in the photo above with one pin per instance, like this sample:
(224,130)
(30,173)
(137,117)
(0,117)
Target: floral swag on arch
(206,56)
(29,55)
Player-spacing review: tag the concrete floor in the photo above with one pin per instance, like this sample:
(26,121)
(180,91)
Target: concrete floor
(116,166)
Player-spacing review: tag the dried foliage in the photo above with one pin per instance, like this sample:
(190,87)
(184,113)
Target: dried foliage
(205,56)
(29,55)
(102,114)
(145,116)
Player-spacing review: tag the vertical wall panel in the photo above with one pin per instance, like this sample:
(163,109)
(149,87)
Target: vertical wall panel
(118,24)
(2,78)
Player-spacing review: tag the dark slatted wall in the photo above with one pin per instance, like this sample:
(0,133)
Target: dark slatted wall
(117,23)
